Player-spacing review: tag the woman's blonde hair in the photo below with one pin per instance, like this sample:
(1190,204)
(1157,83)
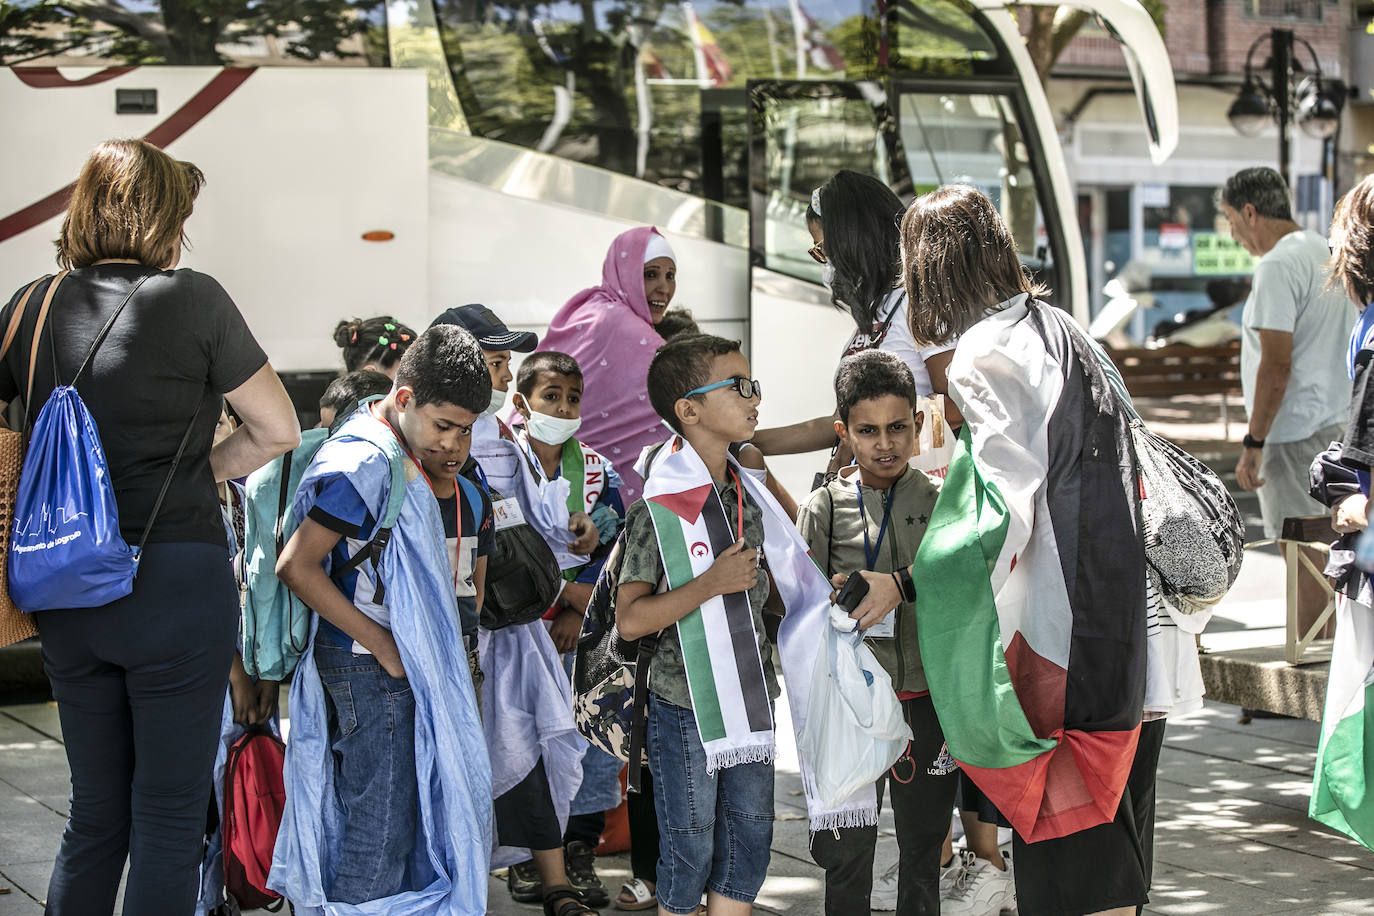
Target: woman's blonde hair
(1352,243)
(131,200)
(958,261)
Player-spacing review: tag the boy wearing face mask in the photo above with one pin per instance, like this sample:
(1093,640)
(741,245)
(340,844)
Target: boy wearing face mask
(548,396)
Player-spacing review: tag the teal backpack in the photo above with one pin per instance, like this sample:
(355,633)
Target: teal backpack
(275,623)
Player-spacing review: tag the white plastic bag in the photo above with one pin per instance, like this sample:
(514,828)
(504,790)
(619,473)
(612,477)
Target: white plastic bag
(854,727)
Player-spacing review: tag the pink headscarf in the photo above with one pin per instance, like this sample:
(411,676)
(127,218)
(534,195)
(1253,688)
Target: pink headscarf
(608,331)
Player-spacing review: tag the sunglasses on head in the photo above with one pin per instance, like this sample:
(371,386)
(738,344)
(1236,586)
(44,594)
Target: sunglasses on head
(747,388)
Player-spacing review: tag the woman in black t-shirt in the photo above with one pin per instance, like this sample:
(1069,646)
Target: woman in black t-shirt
(143,679)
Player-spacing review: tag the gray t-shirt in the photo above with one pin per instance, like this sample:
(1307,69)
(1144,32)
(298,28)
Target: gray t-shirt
(1290,294)
(642,563)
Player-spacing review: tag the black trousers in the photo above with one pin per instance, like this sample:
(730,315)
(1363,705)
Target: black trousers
(1103,867)
(140,687)
(921,786)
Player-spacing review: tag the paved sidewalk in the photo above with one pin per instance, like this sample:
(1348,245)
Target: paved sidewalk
(1233,834)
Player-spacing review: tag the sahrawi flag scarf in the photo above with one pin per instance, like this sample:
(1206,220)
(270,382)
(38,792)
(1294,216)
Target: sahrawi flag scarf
(1341,795)
(719,646)
(1030,580)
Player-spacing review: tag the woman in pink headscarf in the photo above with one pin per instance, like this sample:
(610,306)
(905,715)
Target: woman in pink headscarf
(609,330)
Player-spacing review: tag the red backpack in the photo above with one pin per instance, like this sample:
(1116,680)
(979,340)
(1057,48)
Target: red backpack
(254,796)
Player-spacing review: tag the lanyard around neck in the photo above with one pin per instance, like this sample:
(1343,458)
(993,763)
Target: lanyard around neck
(871,555)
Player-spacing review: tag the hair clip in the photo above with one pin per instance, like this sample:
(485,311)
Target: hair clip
(383,341)
(389,326)
(405,337)
(353,338)
(393,346)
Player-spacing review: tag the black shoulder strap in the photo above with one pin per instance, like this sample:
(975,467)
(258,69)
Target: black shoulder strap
(282,496)
(167,483)
(99,338)
(887,322)
(639,709)
(372,550)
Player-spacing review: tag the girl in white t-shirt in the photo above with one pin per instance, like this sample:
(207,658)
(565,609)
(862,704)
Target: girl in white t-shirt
(853,220)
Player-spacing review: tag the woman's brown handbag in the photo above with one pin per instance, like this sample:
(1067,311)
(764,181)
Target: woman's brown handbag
(14,623)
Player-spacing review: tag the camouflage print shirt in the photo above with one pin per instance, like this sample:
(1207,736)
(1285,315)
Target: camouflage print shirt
(642,563)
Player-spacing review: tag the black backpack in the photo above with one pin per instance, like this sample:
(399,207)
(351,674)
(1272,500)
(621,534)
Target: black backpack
(523,579)
(611,675)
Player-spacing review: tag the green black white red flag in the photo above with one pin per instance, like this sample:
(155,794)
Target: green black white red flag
(1030,580)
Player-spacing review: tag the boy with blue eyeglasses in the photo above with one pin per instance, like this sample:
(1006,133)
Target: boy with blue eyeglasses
(700,528)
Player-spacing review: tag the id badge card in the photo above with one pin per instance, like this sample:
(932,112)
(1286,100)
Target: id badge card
(884,629)
(507,513)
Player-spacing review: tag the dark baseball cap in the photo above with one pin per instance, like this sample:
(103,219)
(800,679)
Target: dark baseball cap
(491,332)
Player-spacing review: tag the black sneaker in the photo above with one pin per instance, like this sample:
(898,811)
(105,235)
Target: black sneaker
(524,883)
(579,860)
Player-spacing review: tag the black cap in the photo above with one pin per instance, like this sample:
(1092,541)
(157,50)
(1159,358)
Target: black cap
(491,332)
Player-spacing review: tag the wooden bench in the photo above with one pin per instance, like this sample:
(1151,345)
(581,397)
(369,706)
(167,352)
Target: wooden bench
(1181,369)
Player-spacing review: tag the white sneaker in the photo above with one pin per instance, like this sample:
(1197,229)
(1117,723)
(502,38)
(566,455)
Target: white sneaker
(980,890)
(951,873)
(884,896)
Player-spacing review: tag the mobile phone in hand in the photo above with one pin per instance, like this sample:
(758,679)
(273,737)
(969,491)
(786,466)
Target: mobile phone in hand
(854,590)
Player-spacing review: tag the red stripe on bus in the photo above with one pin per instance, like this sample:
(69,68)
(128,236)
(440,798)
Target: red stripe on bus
(52,78)
(180,121)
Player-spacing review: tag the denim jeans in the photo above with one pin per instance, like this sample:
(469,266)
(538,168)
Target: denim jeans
(715,830)
(372,733)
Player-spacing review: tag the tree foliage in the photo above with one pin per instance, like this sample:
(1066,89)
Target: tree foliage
(186,32)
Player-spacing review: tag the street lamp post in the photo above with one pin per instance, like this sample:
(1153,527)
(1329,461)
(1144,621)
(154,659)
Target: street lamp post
(1317,101)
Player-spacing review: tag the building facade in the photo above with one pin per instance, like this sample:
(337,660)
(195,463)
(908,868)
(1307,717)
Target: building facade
(1162,220)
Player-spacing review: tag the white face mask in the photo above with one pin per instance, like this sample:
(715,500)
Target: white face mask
(549,429)
(828,275)
(498,400)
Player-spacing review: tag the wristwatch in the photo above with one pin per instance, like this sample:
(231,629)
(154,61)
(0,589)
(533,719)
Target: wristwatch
(1251,442)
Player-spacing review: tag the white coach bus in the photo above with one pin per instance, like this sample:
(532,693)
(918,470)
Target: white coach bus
(404,156)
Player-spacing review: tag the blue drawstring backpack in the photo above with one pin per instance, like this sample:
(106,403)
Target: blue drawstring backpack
(66,550)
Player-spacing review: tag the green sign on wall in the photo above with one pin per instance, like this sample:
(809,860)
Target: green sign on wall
(1217,254)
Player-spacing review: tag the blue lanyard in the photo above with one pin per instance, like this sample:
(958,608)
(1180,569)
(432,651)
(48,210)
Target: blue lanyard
(871,555)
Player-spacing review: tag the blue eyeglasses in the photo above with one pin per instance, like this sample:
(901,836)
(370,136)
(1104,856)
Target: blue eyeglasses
(747,388)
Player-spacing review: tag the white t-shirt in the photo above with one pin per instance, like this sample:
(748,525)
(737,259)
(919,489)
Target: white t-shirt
(1290,294)
(896,339)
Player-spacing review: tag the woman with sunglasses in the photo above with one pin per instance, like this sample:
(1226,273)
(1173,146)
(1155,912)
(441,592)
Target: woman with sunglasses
(854,221)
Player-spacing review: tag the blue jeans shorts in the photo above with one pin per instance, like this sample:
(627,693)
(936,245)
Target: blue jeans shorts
(715,831)
(372,734)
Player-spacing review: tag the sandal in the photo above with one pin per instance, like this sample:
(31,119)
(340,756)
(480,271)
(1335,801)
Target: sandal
(641,898)
(563,901)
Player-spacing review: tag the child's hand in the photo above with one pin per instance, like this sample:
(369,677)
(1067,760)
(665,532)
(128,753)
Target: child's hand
(267,693)
(735,570)
(837,582)
(242,695)
(1351,514)
(581,524)
(389,657)
(567,626)
(883,595)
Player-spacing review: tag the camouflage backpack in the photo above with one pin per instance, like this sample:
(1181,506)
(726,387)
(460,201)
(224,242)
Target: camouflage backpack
(610,675)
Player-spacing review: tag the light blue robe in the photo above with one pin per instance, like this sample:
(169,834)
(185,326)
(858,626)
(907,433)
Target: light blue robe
(449,865)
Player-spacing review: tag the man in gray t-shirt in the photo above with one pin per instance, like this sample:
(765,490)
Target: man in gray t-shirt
(1294,337)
